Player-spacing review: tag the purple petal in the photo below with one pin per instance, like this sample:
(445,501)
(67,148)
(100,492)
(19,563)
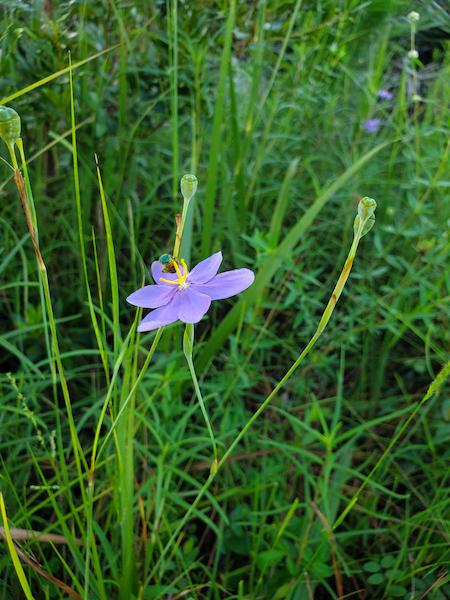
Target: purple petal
(206,269)
(372,125)
(152,296)
(384,95)
(159,317)
(192,305)
(227,284)
(157,273)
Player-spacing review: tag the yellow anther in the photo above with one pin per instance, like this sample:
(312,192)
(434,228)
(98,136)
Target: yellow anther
(185,269)
(181,277)
(177,269)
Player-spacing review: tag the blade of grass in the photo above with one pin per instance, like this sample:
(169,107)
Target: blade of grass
(216,137)
(12,550)
(44,80)
(111,262)
(76,183)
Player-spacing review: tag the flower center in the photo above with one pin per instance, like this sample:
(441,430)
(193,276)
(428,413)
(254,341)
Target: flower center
(181,281)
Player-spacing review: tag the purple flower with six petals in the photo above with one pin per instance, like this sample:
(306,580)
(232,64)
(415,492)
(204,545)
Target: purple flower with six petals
(372,125)
(384,95)
(187,296)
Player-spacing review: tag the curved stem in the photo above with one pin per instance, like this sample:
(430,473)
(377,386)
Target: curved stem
(203,408)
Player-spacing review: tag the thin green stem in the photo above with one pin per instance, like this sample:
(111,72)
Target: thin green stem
(173,41)
(433,389)
(133,389)
(20,183)
(203,408)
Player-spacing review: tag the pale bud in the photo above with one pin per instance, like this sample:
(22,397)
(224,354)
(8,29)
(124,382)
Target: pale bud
(214,467)
(188,186)
(413,55)
(188,340)
(365,216)
(9,125)
(413,16)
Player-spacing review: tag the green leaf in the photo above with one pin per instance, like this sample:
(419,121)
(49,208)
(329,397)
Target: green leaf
(388,561)
(269,558)
(321,570)
(376,579)
(398,590)
(371,566)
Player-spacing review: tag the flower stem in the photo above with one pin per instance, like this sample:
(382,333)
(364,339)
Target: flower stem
(21,187)
(202,406)
(188,342)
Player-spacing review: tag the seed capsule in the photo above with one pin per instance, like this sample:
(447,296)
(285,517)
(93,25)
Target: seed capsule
(9,125)
(188,186)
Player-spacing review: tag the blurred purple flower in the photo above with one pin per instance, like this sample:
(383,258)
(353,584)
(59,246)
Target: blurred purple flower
(187,296)
(385,95)
(372,125)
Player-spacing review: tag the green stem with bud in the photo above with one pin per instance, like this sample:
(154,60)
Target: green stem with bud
(188,188)
(10,133)
(364,221)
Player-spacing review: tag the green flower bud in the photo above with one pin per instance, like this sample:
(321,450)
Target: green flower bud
(188,340)
(366,216)
(188,186)
(413,55)
(214,466)
(413,16)
(9,125)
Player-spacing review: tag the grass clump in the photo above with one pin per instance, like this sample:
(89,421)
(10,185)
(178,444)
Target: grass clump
(288,114)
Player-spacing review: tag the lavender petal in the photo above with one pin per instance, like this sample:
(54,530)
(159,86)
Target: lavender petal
(159,317)
(152,296)
(205,270)
(192,305)
(227,284)
(372,125)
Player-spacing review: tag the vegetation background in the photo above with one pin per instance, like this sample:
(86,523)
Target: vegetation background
(268,104)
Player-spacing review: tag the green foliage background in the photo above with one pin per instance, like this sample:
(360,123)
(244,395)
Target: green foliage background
(266,103)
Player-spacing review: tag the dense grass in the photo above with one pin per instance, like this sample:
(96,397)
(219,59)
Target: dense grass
(332,492)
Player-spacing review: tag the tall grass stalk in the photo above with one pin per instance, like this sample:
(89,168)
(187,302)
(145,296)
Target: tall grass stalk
(21,187)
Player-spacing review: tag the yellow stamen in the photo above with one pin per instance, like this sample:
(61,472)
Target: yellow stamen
(185,269)
(177,269)
(181,277)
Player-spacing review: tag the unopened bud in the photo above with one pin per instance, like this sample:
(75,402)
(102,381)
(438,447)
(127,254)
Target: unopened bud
(214,466)
(188,186)
(413,55)
(365,219)
(413,16)
(9,125)
(188,340)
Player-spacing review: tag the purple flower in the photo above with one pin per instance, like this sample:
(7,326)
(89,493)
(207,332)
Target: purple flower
(186,296)
(384,95)
(372,125)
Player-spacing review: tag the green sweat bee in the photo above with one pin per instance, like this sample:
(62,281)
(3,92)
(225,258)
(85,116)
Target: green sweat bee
(168,263)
